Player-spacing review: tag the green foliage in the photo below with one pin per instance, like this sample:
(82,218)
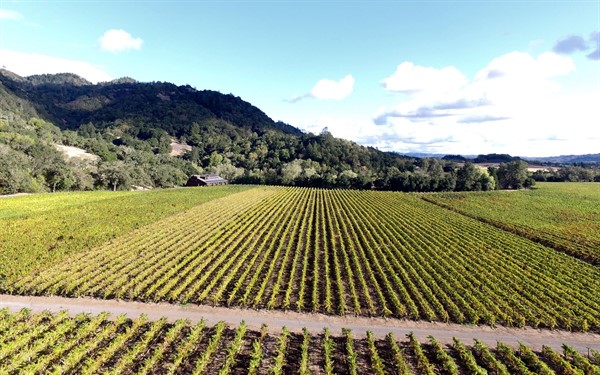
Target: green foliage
(228,136)
(13,172)
(446,362)
(114,175)
(472,178)
(513,175)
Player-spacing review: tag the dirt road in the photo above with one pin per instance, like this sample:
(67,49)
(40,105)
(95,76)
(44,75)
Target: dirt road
(314,322)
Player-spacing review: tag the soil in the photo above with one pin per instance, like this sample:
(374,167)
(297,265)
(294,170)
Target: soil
(315,323)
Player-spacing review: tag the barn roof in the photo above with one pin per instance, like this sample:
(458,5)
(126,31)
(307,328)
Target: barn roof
(210,178)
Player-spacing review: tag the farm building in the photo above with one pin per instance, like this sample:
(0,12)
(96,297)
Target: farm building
(206,180)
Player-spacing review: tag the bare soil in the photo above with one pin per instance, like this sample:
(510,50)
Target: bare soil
(315,323)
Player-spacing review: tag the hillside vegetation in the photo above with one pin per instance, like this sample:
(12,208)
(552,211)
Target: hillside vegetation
(130,126)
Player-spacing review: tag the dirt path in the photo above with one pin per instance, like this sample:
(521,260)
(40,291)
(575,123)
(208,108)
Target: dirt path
(314,322)
(13,195)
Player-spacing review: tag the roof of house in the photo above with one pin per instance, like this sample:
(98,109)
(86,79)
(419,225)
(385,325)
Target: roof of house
(209,178)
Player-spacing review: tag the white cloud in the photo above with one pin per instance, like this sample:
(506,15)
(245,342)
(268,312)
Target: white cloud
(524,66)
(327,89)
(510,84)
(10,15)
(411,78)
(26,64)
(119,40)
(336,90)
(513,105)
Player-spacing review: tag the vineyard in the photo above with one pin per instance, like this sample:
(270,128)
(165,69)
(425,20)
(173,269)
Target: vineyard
(47,343)
(335,252)
(40,230)
(564,216)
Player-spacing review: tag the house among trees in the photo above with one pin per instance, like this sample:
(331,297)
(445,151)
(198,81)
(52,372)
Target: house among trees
(206,180)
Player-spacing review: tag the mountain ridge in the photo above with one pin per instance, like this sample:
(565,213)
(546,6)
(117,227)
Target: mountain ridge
(70,101)
(92,98)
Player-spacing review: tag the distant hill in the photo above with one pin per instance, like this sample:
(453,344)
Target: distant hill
(132,127)
(567,159)
(504,158)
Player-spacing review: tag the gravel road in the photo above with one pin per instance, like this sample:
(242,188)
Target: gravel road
(315,323)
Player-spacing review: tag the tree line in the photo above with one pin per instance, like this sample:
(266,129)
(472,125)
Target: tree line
(31,162)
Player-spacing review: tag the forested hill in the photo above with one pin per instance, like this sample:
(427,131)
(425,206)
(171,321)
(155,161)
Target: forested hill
(130,129)
(69,101)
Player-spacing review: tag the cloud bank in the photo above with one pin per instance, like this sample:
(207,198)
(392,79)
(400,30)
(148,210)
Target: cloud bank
(327,89)
(119,40)
(26,64)
(500,90)
(513,104)
(410,78)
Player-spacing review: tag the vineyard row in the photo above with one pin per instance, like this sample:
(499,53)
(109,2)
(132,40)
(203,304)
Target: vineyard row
(58,344)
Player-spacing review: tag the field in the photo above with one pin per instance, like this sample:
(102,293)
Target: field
(564,216)
(44,343)
(335,252)
(40,230)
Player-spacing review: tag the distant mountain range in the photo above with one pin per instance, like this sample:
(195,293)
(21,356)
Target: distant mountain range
(567,159)
(69,101)
(562,159)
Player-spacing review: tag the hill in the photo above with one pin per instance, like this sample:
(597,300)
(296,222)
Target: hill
(132,126)
(568,159)
(69,101)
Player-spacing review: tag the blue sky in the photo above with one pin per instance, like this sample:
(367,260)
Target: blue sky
(469,77)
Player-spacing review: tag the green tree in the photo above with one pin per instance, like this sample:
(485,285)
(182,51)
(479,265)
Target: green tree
(472,178)
(167,176)
(114,175)
(513,175)
(14,174)
(59,176)
(467,177)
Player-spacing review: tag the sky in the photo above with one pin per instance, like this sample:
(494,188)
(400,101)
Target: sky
(443,77)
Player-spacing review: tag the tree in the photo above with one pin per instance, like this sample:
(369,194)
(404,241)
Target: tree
(291,171)
(513,175)
(14,175)
(167,176)
(60,176)
(82,174)
(466,177)
(115,175)
(472,178)
(346,179)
